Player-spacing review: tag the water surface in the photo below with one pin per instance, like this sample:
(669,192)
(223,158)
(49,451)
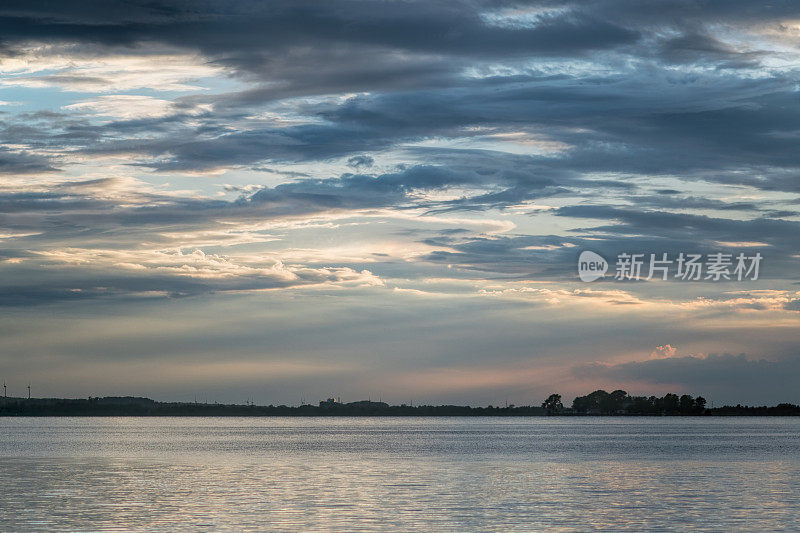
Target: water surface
(409,474)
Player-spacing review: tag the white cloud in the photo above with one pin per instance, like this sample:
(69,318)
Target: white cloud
(124,106)
(72,69)
(666,350)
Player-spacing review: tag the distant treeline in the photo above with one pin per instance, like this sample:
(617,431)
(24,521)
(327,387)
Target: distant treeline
(134,406)
(616,403)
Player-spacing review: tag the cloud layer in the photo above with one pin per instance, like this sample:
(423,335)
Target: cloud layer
(462,151)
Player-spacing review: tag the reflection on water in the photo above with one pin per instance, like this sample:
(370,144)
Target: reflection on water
(354,474)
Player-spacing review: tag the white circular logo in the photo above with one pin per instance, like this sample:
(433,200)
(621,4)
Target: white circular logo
(591,266)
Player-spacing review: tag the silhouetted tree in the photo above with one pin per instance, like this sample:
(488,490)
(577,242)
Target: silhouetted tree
(686,405)
(580,404)
(670,403)
(700,404)
(553,404)
(617,401)
(641,405)
(599,401)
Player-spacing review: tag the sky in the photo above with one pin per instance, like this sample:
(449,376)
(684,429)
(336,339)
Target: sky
(285,201)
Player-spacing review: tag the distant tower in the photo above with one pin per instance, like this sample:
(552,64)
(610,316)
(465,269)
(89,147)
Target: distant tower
(29,390)
(5,393)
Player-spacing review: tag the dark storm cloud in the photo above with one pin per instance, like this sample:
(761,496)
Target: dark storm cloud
(247,33)
(241,33)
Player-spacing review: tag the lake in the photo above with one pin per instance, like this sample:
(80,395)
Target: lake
(400,474)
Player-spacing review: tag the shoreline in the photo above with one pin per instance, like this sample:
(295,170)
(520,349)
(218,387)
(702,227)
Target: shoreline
(145,407)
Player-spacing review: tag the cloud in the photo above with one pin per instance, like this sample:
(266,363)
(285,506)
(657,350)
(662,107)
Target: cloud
(69,66)
(663,351)
(116,274)
(22,162)
(696,47)
(280,26)
(123,106)
(792,305)
(462,152)
(360,161)
(358,191)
